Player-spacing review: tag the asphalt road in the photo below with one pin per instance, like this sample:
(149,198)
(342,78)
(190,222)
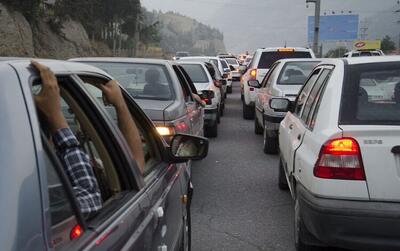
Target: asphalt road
(237,204)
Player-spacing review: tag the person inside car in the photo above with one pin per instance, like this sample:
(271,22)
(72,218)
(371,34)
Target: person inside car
(76,162)
(153,85)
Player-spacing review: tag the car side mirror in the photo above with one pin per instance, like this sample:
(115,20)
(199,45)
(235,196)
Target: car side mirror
(184,147)
(254,83)
(242,69)
(280,104)
(225,75)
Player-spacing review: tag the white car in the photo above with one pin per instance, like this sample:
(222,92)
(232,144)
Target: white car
(235,68)
(340,157)
(208,92)
(261,63)
(363,53)
(285,79)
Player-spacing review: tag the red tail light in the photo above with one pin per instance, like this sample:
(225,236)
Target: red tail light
(76,232)
(340,159)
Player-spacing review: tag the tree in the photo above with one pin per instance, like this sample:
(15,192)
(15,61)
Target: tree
(336,52)
(387,44)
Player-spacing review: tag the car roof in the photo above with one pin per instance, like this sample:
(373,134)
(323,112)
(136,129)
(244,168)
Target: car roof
(276,48)
(121,60)
(57,66)
(197,57)
(286,60)
(190,62)
(366,60)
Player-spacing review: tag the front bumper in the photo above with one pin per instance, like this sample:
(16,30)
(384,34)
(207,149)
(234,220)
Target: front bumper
(359,225)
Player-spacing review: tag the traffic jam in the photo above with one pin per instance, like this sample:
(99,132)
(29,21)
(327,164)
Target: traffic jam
(132,153)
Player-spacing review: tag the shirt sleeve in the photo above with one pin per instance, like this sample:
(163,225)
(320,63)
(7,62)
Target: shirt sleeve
(77,166)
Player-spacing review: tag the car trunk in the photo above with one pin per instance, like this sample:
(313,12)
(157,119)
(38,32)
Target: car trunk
(154,108)
(288,91)
(381,166)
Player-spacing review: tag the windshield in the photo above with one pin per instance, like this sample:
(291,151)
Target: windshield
(270,57)
(295,73)
(142,81)
(196,73)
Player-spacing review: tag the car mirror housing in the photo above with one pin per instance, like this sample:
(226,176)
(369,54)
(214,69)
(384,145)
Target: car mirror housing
(280,104)
(254,83)
(186,147)
(225,75)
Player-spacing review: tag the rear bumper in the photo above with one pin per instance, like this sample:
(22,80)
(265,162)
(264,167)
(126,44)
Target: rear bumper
(360,225)
(210,116)
(272,123)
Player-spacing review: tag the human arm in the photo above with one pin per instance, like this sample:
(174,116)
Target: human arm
(198,99)
(126,124)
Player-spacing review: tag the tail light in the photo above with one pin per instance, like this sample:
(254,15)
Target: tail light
(253,73)
(340,159)
(75,232)
(207,96)
(179,126)
(165,130)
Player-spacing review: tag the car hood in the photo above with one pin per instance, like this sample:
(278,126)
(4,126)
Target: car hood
(155,109)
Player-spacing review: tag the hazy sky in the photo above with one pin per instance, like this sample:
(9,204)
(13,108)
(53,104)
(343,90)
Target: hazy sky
(250,24)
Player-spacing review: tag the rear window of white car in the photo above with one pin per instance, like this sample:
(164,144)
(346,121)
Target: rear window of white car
(270,57)
(295,73)
(371,95)
(196,73)
(231,61)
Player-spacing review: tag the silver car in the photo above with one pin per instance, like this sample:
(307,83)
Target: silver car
(160,88)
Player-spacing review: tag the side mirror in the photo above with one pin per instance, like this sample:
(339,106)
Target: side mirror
(280,104)
(254,83)
(225,75)
(186,147)
(242,69)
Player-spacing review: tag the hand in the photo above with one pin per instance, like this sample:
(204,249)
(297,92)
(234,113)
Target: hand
(48,100)
(112,92)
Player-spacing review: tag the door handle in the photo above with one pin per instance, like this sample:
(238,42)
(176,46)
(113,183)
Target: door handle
(158,215)
(396,150)
(291,126)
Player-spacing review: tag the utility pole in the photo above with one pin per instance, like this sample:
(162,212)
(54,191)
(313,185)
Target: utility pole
(316,24)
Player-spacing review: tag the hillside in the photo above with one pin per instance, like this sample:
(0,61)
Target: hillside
(181,33)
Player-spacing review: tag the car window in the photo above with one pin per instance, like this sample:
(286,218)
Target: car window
(231,61)
(366,103)
(150,155)
(183,84)
(267,82)
(196,73)
(313,95)
(270,57)
(301,98)
(189,81)
(295,73)
(311,119)
(224,64)
(142,81)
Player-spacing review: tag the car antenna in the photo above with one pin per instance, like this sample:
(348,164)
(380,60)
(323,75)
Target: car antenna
(285,44)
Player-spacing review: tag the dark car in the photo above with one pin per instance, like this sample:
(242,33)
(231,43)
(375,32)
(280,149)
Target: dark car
(148,211)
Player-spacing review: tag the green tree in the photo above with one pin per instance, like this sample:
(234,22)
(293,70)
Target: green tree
(387,44)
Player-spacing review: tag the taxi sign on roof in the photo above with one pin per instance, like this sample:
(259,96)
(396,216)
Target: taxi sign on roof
(367,44)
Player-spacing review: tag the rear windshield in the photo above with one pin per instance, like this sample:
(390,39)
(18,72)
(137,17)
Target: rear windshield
(270,57)
(371,95)
(296,73)
(231,60)
(182,54)
(142,81)
(196,73)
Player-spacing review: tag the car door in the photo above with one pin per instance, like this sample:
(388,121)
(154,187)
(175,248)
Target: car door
(292,127)
(193,109)
(264,93)
(113,226)
(162,228)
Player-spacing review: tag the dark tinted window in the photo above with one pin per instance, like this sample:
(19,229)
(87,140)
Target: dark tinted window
(270,57)
(196,73)
(296,73)
(371,94)
(224,64)
(142,81)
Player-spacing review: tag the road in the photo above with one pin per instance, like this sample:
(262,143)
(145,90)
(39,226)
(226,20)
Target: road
(237,204)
